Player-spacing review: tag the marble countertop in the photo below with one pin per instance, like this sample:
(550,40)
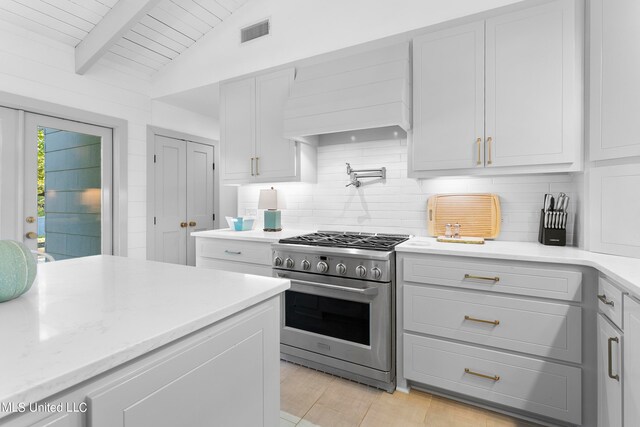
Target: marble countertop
(89,315)
(625,271)
(253,235)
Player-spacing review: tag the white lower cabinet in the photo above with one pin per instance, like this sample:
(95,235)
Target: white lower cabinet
(226,374)
(546,388)
(631,357)
(240,256)
(504,332)
(609,344)
(536,327)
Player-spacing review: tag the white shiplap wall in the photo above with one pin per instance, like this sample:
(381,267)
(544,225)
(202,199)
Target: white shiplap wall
(42,68)
(398,205)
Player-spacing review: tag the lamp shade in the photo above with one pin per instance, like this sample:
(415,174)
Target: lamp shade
(269,199)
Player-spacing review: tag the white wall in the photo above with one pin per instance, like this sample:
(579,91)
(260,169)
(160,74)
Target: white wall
(399,204)
(301,29)
(36,67)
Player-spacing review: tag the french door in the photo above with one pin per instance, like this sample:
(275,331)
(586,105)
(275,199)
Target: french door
(67,187)
(183,199)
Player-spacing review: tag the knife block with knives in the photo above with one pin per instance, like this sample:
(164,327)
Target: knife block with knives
(553,220)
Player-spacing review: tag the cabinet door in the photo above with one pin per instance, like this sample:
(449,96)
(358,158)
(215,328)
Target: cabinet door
(170,200)
(275,155)
(237,133)
(533,113)
(448,99)
(615,66)
(631,357)
(609,343)
(614,209)
(199,193)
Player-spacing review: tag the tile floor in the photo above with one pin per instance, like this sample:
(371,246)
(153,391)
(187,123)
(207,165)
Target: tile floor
(310,398)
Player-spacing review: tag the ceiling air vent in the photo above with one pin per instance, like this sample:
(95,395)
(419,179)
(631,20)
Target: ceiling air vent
(254,31)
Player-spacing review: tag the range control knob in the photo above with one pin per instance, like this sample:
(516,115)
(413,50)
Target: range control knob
(277,261)
(361,271)
(322,267)
(306,265)
(376,273)
(289,263)
(341,269)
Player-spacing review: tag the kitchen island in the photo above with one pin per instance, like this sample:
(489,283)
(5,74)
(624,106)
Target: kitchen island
(111,341)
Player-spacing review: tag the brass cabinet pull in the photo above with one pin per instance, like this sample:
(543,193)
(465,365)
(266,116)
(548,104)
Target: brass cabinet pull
(183,225)
(257,166)
(616,376)
(471,276)
(30,219)
(192,223)
(252,174)
(473,319)
(479,142)
(489,377)
(489,141)
(31,235)
(604,300)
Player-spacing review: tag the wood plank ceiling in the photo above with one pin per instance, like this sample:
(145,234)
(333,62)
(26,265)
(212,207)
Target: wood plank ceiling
(162,34)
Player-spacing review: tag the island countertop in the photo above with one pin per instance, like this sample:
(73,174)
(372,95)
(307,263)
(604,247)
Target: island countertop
(89,315)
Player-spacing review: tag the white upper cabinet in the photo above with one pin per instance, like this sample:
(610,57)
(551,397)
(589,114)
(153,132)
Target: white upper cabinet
(238,132)
(533,113)
(502,95)
(614,83)
(448,127)
(252,121)
(274,153)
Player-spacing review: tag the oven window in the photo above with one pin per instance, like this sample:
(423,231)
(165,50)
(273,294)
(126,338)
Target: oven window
(338,318)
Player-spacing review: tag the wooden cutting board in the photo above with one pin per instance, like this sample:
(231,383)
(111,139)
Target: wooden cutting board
(477,214)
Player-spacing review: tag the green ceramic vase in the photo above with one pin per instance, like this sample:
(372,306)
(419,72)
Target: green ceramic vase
(17,269)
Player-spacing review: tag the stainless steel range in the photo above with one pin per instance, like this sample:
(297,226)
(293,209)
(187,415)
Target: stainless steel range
(339,315)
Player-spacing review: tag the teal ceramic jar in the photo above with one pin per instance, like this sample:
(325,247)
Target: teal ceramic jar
(17,269)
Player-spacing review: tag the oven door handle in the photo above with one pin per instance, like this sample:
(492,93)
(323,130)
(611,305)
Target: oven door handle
(365,291)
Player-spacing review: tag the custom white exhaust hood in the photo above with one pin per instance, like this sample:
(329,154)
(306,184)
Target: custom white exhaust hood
(360,97)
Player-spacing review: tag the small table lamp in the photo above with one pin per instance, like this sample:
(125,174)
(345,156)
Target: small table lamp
(269,201)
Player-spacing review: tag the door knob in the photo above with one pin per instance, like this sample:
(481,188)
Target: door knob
(31,235)
(183,225)
(192,224)
(30,219)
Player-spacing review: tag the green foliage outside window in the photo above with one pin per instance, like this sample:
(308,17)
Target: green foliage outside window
(40,172)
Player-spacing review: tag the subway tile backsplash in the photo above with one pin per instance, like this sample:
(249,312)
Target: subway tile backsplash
(398,204)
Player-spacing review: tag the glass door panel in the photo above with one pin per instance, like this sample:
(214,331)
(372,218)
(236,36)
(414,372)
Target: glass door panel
(67,187)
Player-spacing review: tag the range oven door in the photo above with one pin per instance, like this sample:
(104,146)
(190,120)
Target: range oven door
(342,318)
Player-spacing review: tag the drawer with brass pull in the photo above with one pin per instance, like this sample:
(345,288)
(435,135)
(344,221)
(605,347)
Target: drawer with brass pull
(540,328)
(235,250)
(546,388)
(509,277)
(610,300)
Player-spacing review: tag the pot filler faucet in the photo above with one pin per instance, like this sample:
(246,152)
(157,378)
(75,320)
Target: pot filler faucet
(356,175)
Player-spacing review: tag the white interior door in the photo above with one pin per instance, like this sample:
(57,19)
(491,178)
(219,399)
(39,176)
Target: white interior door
(67,187)
(448,99)
(170,200)
(199,193)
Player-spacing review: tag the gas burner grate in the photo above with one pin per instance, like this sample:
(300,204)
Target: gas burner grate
(355,240)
